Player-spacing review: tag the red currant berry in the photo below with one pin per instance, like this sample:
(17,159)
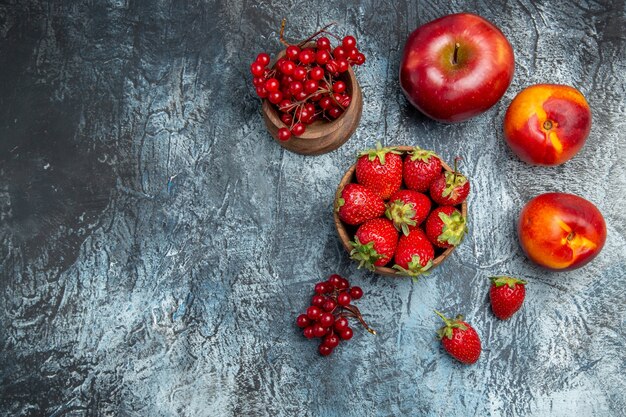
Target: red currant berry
(331,66)
(341,323)
(326,102)
(335,280)
(360,59)
(316,97)
(313,312)
(353,54)
(323,43)
(329,305)
(331,340)
(316,73)
(286,118)
(324,350)
(311,86)
(298,129)
(299,73)
(284,134)
(284,105)
(303,321)
(339,53)
(288,68)
(318,300)
(322,57)
(321,288)
(327,319)
(263,59)
(272,85)
(309,333)
(335,112)
(348,43)
(345,101)
(356,293)
(342,65)
(292,52)
(257,69)
(301,95)
(310,107)
(258,82)
(261,92)
(338,87)
(295,87)
(319,330)
(344,284)
(307,56)
(346,334)
(275,97)
(343,299)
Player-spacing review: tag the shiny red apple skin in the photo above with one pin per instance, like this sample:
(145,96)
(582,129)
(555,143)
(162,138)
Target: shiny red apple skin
(449,92)
(561,231)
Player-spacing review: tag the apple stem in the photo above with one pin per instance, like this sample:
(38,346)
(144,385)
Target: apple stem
(455,55)
(570,237)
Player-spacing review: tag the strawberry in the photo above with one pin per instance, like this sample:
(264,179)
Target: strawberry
(459,339)
(445,227)
(356,204)
(374,243)
(414,254)
(407,209)
(450,188)
(380,170)
(507,295)
(420,169)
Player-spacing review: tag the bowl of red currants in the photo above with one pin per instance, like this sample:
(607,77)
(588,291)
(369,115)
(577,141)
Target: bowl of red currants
(401,211)
(312,101)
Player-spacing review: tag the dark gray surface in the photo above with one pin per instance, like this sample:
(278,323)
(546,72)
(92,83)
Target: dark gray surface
(157,244)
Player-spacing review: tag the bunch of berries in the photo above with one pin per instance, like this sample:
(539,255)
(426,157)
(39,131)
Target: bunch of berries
(309,82)
(327,317)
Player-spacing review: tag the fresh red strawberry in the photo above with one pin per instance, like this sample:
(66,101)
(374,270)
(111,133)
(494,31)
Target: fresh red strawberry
(507,295)
(407,209)
(374,243)
(414,254)
(459,339)
(356,204)
(421,168)
(380,170)
(450,188)
(445,226)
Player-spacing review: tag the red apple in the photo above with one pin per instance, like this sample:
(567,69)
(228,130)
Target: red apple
(561,231)
(547,124)
(456,67)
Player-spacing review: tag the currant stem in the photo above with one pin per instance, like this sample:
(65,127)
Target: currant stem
(319,32)
(282,32)
(357,314)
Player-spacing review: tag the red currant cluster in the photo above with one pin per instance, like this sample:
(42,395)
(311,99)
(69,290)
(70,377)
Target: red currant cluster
(308,82)
(327,317)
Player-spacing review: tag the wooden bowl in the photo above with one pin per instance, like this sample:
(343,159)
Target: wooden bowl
(346,232)
(321,136)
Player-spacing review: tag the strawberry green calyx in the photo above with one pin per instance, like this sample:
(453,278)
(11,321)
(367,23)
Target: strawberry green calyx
(340,202)
(379,153)
(446,331)
(454,228)
(365,254)
(415,268)
(402,215)
(422,154)
(510,281)
(453,180)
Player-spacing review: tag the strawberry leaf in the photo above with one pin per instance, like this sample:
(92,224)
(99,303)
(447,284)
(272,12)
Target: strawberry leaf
(454,228)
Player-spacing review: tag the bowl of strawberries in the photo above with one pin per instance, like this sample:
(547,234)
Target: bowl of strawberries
(401,210)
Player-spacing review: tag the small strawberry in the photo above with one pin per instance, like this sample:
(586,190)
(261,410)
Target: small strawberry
(374,243)
(356,204)
(507,295)
(421,168)
(414,254)
(445,227)
(450,188)
(380,170)
(407,209)
(459,339)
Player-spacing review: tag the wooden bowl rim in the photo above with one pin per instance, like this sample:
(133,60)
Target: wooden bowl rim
(344,235)
(315,130)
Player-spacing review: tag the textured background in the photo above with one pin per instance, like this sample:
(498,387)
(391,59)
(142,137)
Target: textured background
(157,245)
